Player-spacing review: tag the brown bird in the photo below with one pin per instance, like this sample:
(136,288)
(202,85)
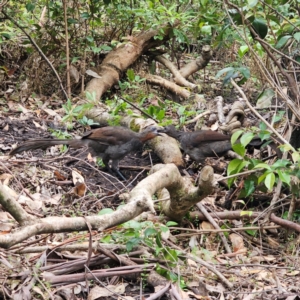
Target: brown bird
(111,143)
(201,143)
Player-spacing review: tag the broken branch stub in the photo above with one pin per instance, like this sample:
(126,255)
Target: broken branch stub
(183,193)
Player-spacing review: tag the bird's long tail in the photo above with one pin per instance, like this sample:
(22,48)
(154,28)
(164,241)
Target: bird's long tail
(42,144)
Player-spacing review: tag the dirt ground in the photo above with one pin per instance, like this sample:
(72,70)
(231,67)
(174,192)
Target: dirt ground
(100,183)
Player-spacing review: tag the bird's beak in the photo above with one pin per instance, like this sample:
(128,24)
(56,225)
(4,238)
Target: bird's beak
(161,130)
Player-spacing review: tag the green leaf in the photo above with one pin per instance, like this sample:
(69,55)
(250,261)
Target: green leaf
(260,28)
(244,71)
(203,2)
(231,181)
(246,213)
(158,241)
(262,177)
(106,239)
(278,117)
(72,21)
(223,71)
(105,211)
(181,110)
(269,181)
(246,138)
(171,223)
(230,75)
(265,98)
(171,255)
(252,3)
(251,232)
(282,41)
(264,135)
(243,50)
(133,224)
(242,165)
(253,162)
(249,187)
(284,177)
(280,163)
(132,243)
(262,126)
(273,18)
(164,228)
(89,39)
(6,35)
(297,36)
(236,135)
(106,48)
(85,15)
(296,157)
(150,231)
(160,116)
(236,16)
(285,147)
(233,165)
(130,74)
(30,7)
(239,149)
(263,166)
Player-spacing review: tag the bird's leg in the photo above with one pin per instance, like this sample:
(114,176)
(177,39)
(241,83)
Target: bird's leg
(115,168)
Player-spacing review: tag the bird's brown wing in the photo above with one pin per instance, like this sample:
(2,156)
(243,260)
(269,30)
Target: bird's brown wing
(201,136)
(110,135)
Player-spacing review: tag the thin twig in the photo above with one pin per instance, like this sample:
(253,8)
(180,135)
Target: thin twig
(39,51)
(67,49)
(136,107)
(260,117)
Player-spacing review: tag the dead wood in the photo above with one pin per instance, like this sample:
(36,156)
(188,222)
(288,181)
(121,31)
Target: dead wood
(181,189)
(178,78)
(118,60)
(198,64)
(8,200)
(183,193)
(237,215)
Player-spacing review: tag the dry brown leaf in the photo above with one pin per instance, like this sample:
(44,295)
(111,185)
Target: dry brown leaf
(272,242)
(192,263)
(23,109)
(77,177)
(38,112)
(37,125)
(214,126)
(90,158)
(5,177)
(39,291)
(206,226)
(80,189)
(74,73)
(59,176)
(237,242)
(266,276)
(293,273)
(97,292)
(209,201)
(46,199)
(34,205)
(52,113)
(5,224)
(92,73)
